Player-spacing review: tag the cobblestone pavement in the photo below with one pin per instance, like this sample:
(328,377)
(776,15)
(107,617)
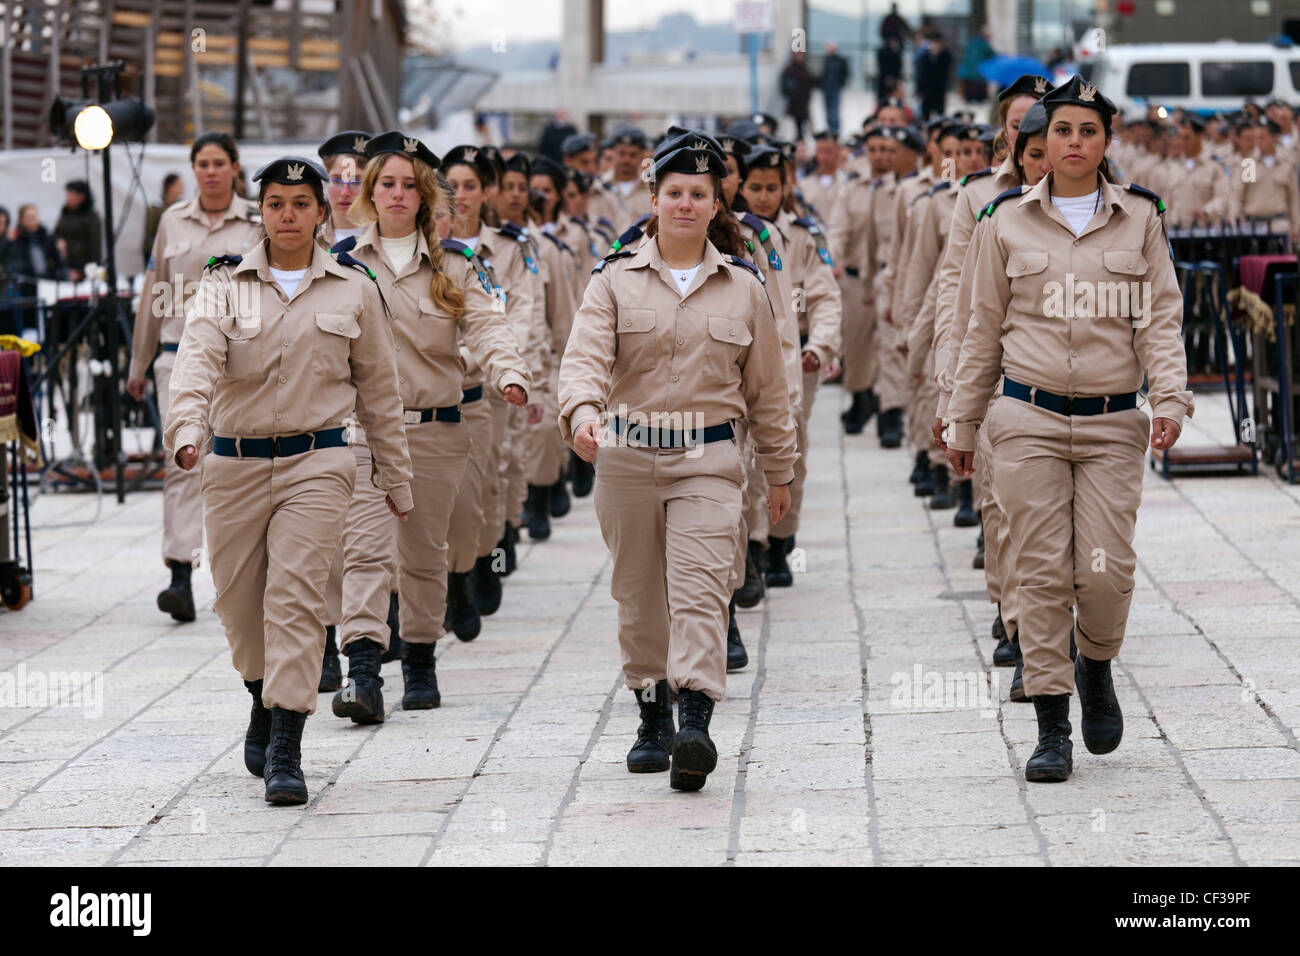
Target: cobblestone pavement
(836,744)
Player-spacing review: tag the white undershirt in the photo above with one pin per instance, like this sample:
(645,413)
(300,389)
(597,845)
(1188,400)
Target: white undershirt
(1078,210)
(400,250)
(626,186)
(288,279)
(684,277)
(344,233)
(471,241)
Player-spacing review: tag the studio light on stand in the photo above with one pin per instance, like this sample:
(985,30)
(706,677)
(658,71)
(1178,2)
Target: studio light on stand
(94,122)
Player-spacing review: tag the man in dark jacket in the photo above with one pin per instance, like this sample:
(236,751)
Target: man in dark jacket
(80,229)
(934,67)
(835,74)
(796,87)
(33,254)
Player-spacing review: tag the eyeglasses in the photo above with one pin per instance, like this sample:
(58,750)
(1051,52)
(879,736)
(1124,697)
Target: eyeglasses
(350,183)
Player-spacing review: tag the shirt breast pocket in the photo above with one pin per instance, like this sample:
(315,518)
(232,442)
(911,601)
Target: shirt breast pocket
(728,337)
(635,349)
(243,347)
(1025,268)
(332,344)
(1128,262)
(436,332)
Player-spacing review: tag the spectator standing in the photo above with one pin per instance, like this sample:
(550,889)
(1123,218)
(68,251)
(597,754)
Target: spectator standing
(889,59)
(934,66)
(79,229)
(553,136)
(796,87)
(974,88)
(835,74)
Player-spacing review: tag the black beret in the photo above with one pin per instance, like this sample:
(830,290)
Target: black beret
(1078,92)
(679,136)
(826,134)
(519,163)
(744,129)
(934,122)
(494,157)
(1034,122)
(629,136)
(688,159)
(765,119)
(893,101)
(952,128)
(291,171)
(1031,84)
(545,166)
(786,147)
(876,132)
(761,157)
(972,134)
(733,145)
(906,136)
(475,157)
(577,143)
(350,142)
(395,141)
(580,179)
(1269,125)
(1192,120)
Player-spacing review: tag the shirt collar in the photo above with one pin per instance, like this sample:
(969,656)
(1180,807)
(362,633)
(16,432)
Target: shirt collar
(647,255)
(371,238)
(238,209)
(1111,201)
(322,261)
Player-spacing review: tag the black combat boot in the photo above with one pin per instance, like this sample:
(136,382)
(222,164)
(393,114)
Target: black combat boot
(258,735)
(361,699)
(1052,759)
(559,503)
(694,755)
(465,620)
(285,783)
(1007,651)
(978,561)
(925,485)
(919,468)
(654,737)
(178,599)
(507,548)
(943,498)
(331,675)
(966,516)
(889,426)
(1103,724)
(584,474)
(395,644)
(736,656)
(1017,692)
(421,677)
(539,516)
(778,573)
(753,589)
(856,416)
(487,586)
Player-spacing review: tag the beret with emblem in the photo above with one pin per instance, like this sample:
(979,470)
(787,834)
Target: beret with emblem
(494,157)
(349,142)
(473,156)
(745,129)
(519,163)
(876,132)
(1034,121)
(629,136)
(291,171)
(395,141)
(580,179)
(696,157)
(678,136)
(1078,92)
(906,136)
(1189,119)
(786,147)
(1030,84)
(577,143)
(761,157)
(545,166)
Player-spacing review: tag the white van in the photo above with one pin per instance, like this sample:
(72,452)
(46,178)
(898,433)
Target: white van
(1200,77)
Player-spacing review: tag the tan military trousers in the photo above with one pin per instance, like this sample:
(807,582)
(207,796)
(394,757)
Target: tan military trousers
(999,558)
(182,502)
(468,514)
(892,385)
(514,462)
(365,566)
(545,449)
(273,526)
(438,459)
(1070,486)
(756,516)
(669,521)
(789,525)
(920,415)
(857,328)
(494,485)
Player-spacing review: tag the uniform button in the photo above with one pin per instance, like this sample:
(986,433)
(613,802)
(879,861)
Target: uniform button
(278,416)
(402,380)
(674,378)
(283,381)
(627,323)
(340,326)
(681,341)
(397,347)
(1130,265)
(236,333)
(1073,353)
(1076,242)
(285,343)
(733,333)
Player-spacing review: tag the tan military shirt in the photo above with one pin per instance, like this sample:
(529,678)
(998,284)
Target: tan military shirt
(1047,307)
(780,291)
(629,207)
(910,188)
(815,289)
(559,282)
(928,230)
(1275,191)
(523,312)
(426,340)
(254,363)
(820,192)
(640,347)
(1193,188)
(183,246)
(587,244)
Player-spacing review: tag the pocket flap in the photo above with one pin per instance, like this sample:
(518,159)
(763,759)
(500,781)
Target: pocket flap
(176,247)
(427,307)
(1127,261)
(338,323)
(1026,262)
(238,328)
(734,331)
(636,320)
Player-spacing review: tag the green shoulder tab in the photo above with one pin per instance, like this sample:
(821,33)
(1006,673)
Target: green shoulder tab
(1145,193)
(986,171)
(988,210)
(223,261)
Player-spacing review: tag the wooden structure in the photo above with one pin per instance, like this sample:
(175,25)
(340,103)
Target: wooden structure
(259,69)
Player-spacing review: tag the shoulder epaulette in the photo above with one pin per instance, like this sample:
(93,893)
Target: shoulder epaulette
(978,174)
(346,244)
(253,214)
(808,224)
(223,261)
(560,242)
(460,248)
(851,175)
(629,235)
(939,187)
(1147,194)
(344,259)
(988,210)
(914,172)
(622,254)
(741,261)
(452,245)
(511,231)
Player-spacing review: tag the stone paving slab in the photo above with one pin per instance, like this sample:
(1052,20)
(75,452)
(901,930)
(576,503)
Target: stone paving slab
(869,729)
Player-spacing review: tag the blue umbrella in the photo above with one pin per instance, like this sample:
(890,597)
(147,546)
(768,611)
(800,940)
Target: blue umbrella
(1005,70)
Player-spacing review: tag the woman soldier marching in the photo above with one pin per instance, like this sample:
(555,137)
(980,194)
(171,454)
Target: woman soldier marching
(674,352)
(343,156)
(215,222)
(280,348)
(1029,159)
(1068,440)
(436,302)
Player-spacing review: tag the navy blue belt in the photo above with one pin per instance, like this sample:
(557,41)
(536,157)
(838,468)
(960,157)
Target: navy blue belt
(471,394)
(170,346)
(663,438)
(1069,404)
(418,416)
(280,447)
(803,340)
(852,270)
